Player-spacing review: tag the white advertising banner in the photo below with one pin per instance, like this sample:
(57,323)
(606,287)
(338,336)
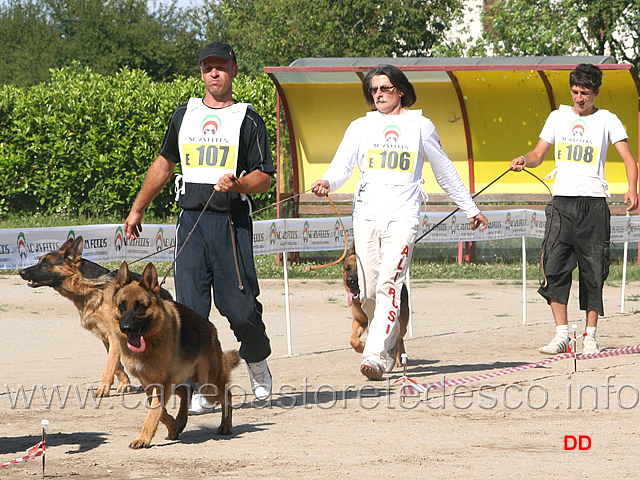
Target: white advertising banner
(22,247)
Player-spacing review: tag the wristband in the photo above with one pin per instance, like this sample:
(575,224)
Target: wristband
(525,159)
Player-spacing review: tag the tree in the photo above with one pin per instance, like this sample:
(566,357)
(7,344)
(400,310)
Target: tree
(279,31)
(106,35)
(562,27)
(28,43)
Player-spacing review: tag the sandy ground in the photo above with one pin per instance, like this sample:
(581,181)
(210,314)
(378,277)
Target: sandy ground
(325,420)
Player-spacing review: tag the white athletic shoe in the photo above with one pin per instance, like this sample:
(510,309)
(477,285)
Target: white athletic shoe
(589,345)
(556,346)
(371,369)
(260,377)
(199,405)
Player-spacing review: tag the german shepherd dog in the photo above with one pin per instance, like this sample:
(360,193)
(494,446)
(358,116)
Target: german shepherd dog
(360,321)
(164,344)
(90,287)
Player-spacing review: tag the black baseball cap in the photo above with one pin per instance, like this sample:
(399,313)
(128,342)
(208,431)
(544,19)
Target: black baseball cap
(218,50)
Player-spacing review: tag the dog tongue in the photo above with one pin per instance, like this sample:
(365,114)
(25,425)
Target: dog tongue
(353,295)
(136,343)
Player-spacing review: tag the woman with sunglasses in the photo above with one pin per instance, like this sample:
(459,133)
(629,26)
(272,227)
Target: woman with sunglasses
(390,145)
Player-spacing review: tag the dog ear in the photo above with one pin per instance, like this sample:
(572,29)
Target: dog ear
(352,249)
(65,246)
(73,249)
(149,280)
(123,276)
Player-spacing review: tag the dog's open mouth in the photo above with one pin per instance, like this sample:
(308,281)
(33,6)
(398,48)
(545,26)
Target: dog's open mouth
(36,284)
(354,294)
(136,343)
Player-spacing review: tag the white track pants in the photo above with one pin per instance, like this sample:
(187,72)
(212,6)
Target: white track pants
(383,250)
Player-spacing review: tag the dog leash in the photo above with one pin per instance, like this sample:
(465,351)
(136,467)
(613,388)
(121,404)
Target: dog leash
(346,242)
(433,227)
(275,204)
(233,239)
(474,196)
(173,264)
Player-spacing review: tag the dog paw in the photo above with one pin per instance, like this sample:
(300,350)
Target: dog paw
(139,443)
(225,428)
(103,391)
(126,388)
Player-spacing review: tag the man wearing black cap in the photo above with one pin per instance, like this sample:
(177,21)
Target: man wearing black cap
(223,149)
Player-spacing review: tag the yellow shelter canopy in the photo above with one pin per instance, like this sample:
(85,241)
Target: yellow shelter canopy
(486,110)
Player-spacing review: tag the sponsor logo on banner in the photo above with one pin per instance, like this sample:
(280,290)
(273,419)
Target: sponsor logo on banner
(276,235)
(535,223)
(137,242)
(162,242)
(159,240)
(118,239)
(305,232)
(22,245)
(272,233)
(508,222)
(95,243)
(25,248)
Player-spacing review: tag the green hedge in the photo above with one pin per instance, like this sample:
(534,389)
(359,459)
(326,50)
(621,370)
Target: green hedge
(81,143)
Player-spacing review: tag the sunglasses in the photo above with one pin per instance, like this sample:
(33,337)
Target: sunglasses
(383,89)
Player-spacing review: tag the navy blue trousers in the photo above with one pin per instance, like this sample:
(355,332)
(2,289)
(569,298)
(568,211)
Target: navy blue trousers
(206,264)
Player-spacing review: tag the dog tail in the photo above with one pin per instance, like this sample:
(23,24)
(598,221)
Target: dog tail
(231,359)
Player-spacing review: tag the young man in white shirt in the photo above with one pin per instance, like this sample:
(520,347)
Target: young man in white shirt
(578,218)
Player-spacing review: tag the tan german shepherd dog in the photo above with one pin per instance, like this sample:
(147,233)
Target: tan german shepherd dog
(164,343)
(360,322)
(90,287)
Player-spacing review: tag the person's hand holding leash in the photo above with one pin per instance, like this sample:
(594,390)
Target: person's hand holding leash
(518,163)
(321,188)
(133,225)
(225,183)
(478,221)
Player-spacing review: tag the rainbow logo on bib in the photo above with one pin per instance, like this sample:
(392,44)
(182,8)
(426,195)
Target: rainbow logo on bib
(210,125)
(578,128)
(391,133)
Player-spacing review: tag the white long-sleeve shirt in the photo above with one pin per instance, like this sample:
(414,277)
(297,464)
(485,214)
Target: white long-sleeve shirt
(378,200)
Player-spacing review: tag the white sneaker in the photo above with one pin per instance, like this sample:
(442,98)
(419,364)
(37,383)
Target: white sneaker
(372,369)
(199,405)
(556,346)
(589,345)
(260,379)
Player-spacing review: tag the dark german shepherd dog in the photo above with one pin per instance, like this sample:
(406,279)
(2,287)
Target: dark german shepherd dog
(90,287)
(164,344)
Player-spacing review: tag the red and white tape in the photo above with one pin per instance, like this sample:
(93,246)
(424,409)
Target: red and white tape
(412,388)
(33,452)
